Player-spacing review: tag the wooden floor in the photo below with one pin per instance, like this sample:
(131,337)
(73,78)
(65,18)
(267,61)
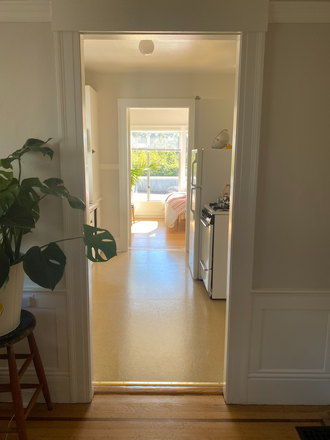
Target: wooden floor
(177,415)
(154,234)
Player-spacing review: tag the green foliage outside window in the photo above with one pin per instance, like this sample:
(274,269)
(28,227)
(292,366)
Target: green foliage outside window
(167,162)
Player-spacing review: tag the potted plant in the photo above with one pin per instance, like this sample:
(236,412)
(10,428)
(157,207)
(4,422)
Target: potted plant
(19,213)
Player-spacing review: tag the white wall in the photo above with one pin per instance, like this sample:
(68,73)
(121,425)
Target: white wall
(291,243)
(159,116)
(291,296)
(29,110)
(292,248)
(110,87)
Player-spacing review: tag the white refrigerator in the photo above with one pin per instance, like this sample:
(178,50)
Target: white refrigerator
(210,172)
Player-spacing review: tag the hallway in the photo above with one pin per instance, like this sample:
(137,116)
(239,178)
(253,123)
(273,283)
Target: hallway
(153,323)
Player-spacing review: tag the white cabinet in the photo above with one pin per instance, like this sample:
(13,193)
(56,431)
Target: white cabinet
(92,147)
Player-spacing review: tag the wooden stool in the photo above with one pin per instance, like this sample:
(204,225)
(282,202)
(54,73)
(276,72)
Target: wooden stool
(25,329)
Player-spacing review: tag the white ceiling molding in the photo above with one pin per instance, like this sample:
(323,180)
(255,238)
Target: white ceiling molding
(299,12)
(279,11)
(148,16)
(25,11)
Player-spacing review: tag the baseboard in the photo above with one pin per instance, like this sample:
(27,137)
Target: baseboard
(278,391)
(204,390)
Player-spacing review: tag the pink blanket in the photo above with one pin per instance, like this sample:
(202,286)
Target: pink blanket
(178,201)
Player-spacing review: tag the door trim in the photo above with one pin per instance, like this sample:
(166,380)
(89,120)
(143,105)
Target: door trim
(247,117)
(245,140)
(123,143)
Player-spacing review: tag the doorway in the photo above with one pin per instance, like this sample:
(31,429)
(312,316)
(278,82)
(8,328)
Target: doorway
(143,124)
(158,141)
(242,220)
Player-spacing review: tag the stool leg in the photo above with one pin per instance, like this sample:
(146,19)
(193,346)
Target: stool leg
(16,394)
(40,370)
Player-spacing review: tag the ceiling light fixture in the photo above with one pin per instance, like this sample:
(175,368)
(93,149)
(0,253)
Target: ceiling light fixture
(146,47)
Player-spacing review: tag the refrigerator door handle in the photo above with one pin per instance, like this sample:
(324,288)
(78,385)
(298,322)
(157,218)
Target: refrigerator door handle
(191,195)
(192,170)
(193,188)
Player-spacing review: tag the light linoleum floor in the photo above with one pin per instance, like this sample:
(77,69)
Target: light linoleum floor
(153,323)
(154,234)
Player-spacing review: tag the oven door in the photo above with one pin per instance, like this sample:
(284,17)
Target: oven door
(206,254)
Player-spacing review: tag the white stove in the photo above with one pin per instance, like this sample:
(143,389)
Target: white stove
(214,248)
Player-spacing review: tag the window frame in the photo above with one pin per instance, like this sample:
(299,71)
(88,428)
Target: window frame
(182,150)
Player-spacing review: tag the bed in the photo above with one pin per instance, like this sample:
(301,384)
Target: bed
(175,207)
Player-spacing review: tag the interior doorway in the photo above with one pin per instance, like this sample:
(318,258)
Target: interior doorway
(158,140)
(208,127)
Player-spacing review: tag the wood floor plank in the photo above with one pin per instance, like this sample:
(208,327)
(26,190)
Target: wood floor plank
(175,417)
(181,431)
(177,411)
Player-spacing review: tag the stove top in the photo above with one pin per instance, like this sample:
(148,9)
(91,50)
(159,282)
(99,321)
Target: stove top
(214,208)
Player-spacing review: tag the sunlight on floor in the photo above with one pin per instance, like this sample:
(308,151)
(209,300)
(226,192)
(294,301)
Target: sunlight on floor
(152,233)
(144,227)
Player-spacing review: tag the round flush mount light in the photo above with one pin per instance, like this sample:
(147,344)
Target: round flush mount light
(146,47)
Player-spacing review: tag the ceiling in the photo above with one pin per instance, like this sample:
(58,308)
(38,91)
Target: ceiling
(170,55)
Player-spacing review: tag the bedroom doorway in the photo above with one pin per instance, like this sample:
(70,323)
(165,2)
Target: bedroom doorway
(158,141)
(155,137)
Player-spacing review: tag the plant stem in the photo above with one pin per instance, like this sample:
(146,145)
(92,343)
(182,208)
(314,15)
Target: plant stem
(20,170)
(64,239)
(18,242)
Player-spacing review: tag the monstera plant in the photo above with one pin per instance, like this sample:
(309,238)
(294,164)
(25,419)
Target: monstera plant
(19,213)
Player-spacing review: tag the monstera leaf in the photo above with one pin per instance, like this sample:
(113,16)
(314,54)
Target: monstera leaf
(8,197)
(18,217)
(100,244)
(6,178)
(34,145)
(45,267)
(30,198)
(56,188)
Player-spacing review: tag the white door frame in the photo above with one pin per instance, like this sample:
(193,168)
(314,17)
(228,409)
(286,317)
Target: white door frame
(242,219)
(123,143)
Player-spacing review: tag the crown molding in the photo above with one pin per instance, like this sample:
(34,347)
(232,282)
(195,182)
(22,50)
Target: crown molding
(299,12)
(25,11)
(279,11)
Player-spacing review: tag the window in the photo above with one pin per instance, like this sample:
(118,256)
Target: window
(159,162)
